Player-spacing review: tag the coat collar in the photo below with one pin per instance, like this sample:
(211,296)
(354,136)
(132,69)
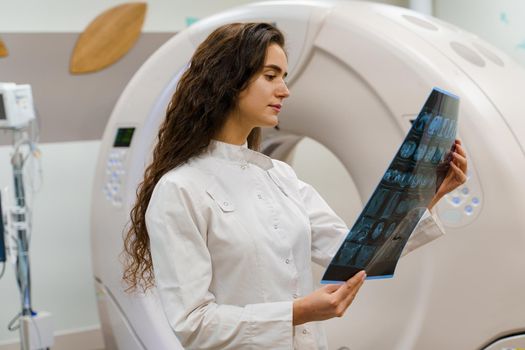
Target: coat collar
(241,154)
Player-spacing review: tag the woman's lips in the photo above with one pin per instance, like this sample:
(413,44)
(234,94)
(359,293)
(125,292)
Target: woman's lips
(276,107)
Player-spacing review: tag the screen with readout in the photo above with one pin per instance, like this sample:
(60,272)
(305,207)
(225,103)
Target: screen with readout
(123,137)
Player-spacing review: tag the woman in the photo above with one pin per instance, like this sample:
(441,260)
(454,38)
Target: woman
(225,233)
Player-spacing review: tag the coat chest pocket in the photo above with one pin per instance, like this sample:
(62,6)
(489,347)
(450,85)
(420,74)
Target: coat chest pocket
(228,237)
(218,195)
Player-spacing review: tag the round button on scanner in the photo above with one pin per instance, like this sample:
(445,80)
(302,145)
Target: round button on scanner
(465,190)
(475,201)
(305,331)
(226,204)
(469,209)
(287,261)
(456,200)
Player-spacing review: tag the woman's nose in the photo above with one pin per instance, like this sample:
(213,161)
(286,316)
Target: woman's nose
(283,91)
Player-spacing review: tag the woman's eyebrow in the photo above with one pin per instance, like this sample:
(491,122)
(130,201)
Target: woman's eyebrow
(276,68)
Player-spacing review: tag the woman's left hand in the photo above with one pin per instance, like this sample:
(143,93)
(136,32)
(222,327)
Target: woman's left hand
(456,175)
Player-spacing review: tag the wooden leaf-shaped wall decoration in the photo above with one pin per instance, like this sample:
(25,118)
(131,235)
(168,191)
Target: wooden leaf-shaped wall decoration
(109,37)
(3,49)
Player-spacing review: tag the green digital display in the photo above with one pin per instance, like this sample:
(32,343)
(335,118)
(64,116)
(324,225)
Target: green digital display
(124,136)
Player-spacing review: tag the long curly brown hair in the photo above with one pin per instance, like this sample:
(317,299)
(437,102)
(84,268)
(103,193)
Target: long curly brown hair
(221,67)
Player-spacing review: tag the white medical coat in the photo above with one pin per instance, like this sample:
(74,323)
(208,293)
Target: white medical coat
(232,234)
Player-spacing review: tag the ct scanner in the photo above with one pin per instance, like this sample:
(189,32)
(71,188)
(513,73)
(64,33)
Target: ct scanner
(359,71)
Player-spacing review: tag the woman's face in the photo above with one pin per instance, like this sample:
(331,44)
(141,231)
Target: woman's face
(260,103)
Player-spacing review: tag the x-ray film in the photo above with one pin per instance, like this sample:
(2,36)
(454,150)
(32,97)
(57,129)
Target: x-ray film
(376,240)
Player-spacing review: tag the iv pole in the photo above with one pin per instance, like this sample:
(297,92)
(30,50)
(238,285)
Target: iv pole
(16,113)
(20,225)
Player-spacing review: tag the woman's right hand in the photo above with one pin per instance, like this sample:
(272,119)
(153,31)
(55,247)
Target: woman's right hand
(327,302)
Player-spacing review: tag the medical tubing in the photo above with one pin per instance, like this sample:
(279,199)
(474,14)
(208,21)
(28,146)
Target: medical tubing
(11,325)
(3,251)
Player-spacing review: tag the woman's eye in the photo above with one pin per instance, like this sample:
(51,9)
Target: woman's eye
(269,77)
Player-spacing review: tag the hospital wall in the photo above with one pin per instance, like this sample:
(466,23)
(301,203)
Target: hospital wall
(73,111)
(499,22)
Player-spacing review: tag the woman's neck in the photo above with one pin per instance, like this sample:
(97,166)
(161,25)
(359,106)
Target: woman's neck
(233,132)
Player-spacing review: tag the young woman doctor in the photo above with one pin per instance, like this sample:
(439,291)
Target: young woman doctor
(225,233)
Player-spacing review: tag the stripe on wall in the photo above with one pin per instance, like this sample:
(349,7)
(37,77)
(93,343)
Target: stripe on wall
(71,107)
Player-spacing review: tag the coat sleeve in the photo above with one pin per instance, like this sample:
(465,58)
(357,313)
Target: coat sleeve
(329,230)
(183,272)
(428,229)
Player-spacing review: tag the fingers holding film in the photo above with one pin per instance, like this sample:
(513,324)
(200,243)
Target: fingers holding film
(461,159)
(460,175)
(351,296)
(349,286)
(346,293)
(461,151)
